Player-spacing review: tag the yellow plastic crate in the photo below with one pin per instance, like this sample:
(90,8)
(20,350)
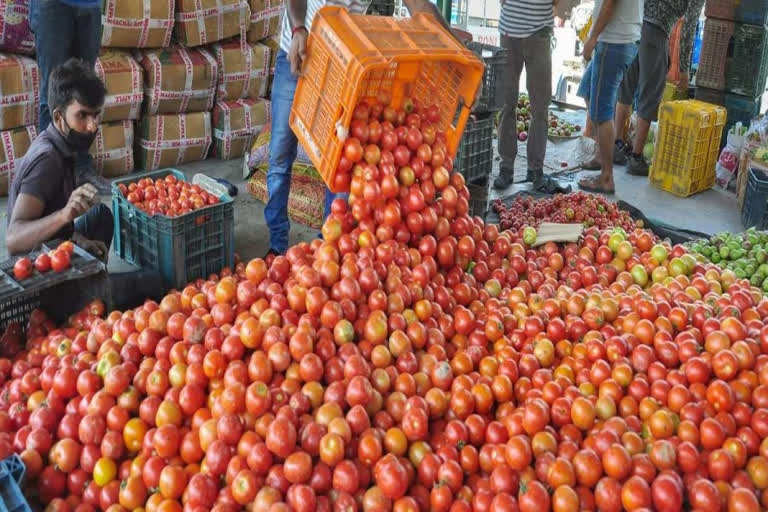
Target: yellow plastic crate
(687,147)
(672,93)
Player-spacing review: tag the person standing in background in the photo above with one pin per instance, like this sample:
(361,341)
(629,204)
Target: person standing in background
(526,28)
(65,29)
(647,75)
(610,49)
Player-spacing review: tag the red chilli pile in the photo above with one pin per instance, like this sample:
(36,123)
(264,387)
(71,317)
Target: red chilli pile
(414,360)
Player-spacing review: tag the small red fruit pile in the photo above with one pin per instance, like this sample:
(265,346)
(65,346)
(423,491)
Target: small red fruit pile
(573,208)
(57,260)
(167,196)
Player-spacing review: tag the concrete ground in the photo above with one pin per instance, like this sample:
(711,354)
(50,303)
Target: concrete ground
(711,211)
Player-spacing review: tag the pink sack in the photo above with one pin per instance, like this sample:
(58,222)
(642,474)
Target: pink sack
(15,34)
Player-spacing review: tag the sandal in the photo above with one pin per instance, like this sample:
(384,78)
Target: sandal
(593,185)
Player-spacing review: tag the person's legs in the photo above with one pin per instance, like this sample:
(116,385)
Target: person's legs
(282,153)
(508,126)
(97,224)
(591,161)
(626,98)
(537,54)
(53,24)
(653,56)
(610,63)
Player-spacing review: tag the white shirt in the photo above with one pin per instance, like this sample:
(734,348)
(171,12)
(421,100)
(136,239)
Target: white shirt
(286,33)
(521,18)
(626,23)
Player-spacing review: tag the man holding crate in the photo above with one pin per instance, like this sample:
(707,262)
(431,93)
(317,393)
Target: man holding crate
(646,77)
(297,20)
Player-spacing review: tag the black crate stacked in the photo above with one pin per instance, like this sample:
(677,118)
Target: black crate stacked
(474,158)
(734,58)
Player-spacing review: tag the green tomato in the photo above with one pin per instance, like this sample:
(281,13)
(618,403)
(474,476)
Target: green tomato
(614,240)
(677,267)
(715,258)
(755,280)
(724,252)
(765,285)
(750,270)
(740,273)
(529,235)
(640,275)
(659,253)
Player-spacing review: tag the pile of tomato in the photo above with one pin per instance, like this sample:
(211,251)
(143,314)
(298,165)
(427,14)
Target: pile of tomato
(167,196)
(415,359)
(573,208)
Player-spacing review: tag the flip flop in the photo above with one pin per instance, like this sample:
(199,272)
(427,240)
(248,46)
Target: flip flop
(592,185)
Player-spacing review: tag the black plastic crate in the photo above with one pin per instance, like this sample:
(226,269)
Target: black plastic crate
(183,248)
(478,200)
(81,264)
(18,308)
(495,59)
(712,96)
(474,158)
(747,70)
(381,8)
(754,212)
(753,12)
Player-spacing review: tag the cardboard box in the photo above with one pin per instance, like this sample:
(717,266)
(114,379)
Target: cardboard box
(19,91)
(15,34)
(137,23)
(168,140)
(274,45)
(236,124)
(200,22)
(265,19)
(15,144)
(179,80)
(113,149)
(124,79)
(241,74)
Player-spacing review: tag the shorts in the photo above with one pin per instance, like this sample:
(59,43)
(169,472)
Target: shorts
(601,80)
(647,75)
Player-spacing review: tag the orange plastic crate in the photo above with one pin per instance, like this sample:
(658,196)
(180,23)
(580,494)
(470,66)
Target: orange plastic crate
(352,57)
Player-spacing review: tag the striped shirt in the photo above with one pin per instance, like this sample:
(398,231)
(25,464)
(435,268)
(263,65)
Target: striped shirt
(521,18)
(286,34)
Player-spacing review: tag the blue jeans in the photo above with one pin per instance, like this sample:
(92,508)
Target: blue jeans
(601,80)
(62,32)
(97,224)
(283,147)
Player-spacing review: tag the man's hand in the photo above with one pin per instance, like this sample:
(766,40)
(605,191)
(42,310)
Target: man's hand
(298,51)
(80,201)
(95,247)
(589,47)
(682,83)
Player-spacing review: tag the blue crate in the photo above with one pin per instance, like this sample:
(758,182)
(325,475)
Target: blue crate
(754,212)
(12,472)
(752,12)
(181,248)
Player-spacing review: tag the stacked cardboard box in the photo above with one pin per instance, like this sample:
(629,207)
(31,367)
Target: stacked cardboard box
(19,101)
(200,22)
(113,148)
(137,23)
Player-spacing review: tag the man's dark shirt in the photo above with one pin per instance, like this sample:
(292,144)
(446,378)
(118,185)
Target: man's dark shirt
(47,173)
